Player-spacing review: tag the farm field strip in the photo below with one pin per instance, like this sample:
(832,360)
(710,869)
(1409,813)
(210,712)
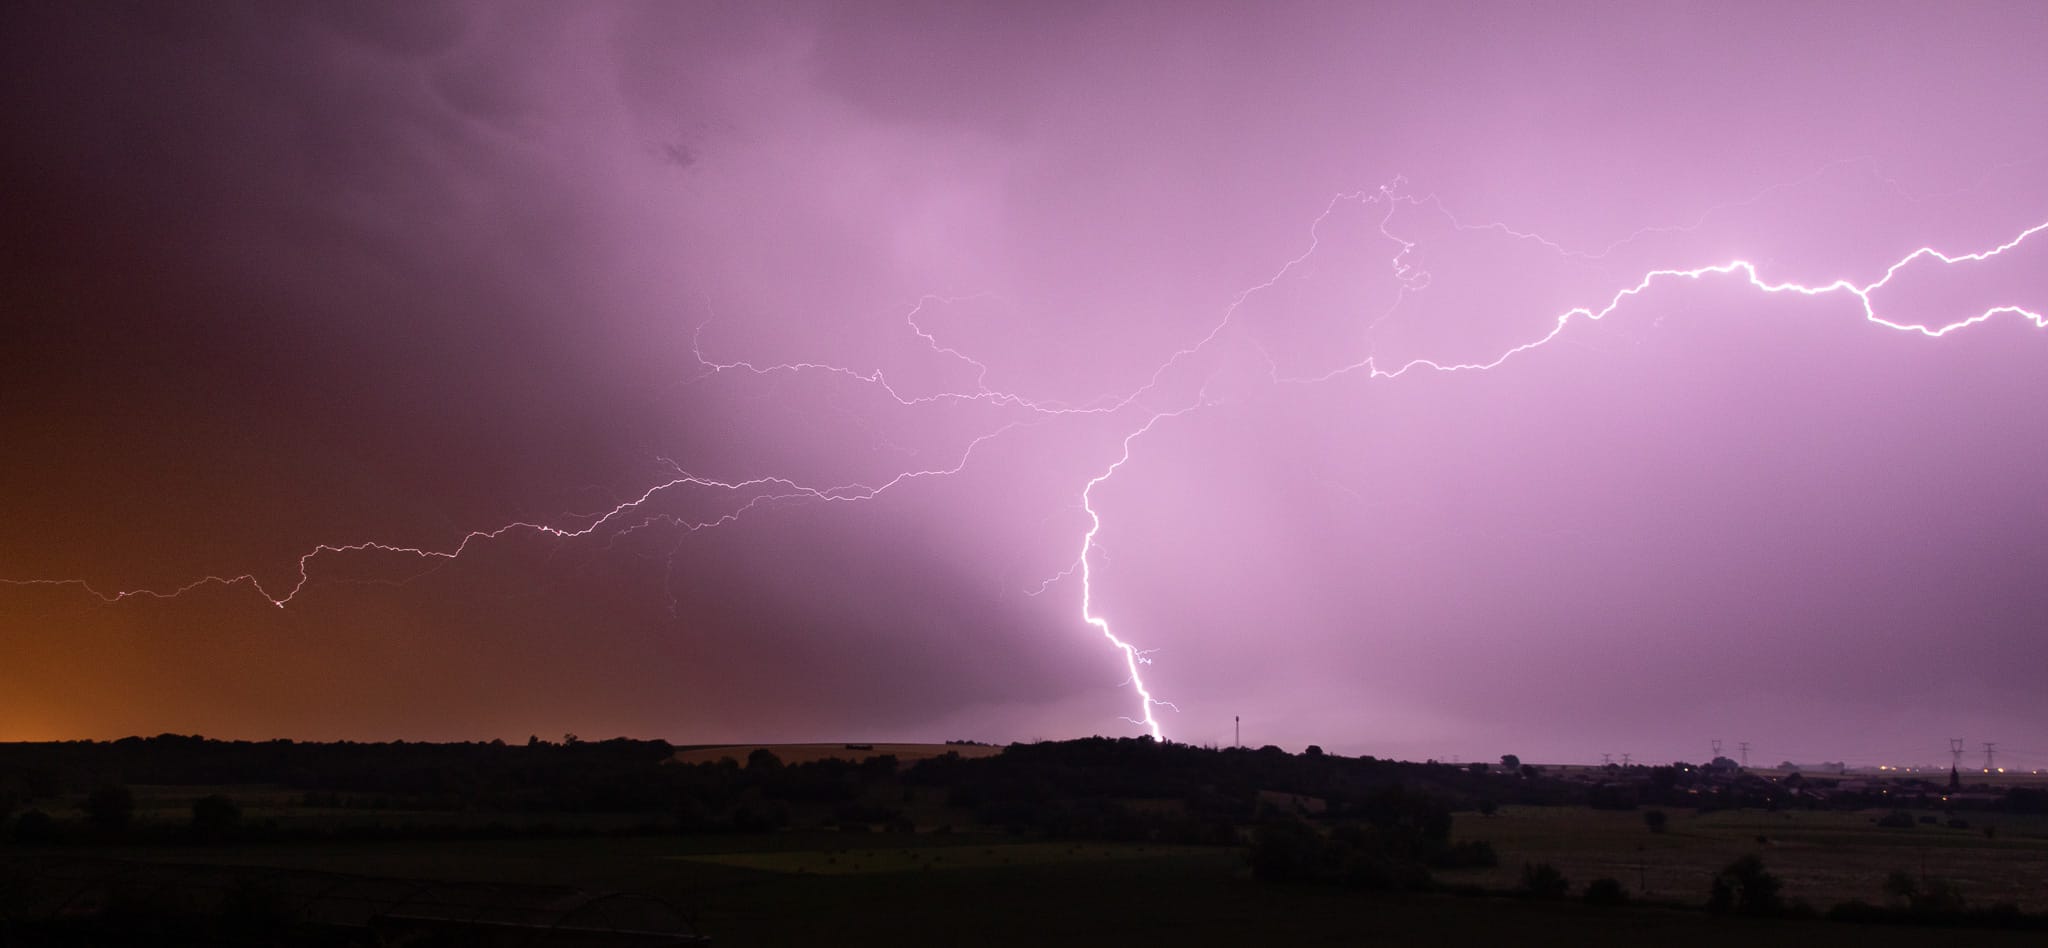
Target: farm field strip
(845,861)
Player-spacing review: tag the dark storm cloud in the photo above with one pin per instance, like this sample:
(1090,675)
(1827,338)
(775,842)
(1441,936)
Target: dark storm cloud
(401,28)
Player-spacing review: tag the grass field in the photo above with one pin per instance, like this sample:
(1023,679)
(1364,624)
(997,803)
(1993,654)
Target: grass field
(792,889)
(843,860)
(811,887)
(1824,857)
(806,753)
(285,808)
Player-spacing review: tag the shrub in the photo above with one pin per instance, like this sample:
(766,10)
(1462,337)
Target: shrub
(1855,910)
(110,808)
(253,912)
(1468,854)
(1543,880)
(1605,890)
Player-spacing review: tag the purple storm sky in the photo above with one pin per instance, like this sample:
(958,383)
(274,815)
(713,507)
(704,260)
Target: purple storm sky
(814,324)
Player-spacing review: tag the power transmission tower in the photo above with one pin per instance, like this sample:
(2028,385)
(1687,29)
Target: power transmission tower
(1744,747)
(1717,748)
(1606,760)
(1990,749)
(1955,750)
(1624,758)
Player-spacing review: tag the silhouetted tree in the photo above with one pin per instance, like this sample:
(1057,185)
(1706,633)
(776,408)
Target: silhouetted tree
(1930,896)
(763,759)
(110,808)
(1612,796)
(215,816)
(1290,851)
(1900,888)
(34,826)
(1745,887)
(1939,896)
(1511,762)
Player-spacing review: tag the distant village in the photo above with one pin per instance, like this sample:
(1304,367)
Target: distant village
(1723,783)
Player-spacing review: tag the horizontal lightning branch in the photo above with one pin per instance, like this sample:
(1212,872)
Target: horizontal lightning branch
(772,489)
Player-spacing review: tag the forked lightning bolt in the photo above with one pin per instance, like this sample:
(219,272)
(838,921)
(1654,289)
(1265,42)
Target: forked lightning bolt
(1133,656)
(1018,409)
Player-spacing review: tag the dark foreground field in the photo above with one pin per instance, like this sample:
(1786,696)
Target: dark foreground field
(800,889)
(1092,842)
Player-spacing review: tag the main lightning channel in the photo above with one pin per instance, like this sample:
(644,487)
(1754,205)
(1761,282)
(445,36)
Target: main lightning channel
(1133,656)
